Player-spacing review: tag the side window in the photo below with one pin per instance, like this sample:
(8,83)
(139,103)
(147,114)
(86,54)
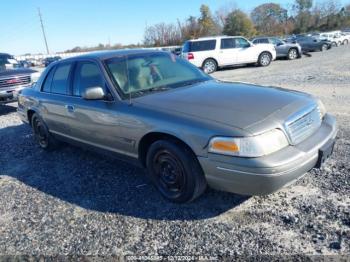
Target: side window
(242,43)
(228,43)
(273,41)
(46,87)
(60,80)
(205,45)
(87,74)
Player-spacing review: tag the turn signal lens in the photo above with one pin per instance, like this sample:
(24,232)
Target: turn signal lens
(254,146)
(225,146)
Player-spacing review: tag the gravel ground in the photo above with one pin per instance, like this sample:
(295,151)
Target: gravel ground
(75,202)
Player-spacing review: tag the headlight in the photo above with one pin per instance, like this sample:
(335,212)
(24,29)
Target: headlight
(321,107)
(254,146)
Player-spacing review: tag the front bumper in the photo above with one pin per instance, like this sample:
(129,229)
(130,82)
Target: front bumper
(267,174)
(10,94)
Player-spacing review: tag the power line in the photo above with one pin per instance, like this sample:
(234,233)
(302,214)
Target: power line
(42,28)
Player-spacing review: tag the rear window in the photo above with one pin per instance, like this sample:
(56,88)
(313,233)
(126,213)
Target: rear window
(197,46)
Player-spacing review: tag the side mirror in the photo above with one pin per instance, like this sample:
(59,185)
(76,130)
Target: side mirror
(279,43)
(94,93)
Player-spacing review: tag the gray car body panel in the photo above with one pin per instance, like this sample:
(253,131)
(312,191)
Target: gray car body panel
(193,114)
(282,50)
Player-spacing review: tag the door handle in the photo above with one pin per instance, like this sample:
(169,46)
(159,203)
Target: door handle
(69,108)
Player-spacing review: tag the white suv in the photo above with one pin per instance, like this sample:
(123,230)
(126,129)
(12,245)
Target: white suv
(212,52)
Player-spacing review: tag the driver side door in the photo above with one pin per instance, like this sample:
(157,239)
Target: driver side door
(93,122)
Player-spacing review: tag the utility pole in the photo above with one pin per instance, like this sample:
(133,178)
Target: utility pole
(42,28)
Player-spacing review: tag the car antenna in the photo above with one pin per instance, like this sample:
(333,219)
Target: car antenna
(128,79)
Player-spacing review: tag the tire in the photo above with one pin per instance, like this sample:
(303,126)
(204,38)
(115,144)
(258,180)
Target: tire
(339,44)
(264,59)
(324,47)
(209,66)
(346,41)
(42,135)
(334,44)
(293,54)
(175,171)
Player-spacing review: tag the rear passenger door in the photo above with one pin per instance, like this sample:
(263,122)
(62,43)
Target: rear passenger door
(228,51)
(53,99)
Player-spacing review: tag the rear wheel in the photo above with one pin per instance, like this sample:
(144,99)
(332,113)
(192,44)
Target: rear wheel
(41,133)
(175,171)
(293,54)
(264,59)
(209,66)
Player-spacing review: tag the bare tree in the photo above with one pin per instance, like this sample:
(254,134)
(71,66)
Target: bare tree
(162,35)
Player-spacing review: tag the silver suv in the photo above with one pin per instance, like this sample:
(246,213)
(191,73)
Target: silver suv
(283,49)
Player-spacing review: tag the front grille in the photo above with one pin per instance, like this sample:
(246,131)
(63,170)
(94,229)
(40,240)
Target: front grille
(304,125)
(14,81)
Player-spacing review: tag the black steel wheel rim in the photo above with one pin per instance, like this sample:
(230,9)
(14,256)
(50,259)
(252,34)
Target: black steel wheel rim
(169,174)
(40,133)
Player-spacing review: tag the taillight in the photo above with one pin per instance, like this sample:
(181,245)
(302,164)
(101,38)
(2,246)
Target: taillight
(190,56)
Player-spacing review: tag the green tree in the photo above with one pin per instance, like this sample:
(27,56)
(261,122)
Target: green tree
(206,22)
(303,18)
(270,19)
(238,23)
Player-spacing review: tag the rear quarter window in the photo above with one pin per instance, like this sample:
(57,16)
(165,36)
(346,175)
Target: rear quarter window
(197,46)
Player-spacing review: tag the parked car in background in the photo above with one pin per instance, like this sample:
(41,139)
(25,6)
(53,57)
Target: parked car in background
(7,61)
(177,51)
(185,127)
(335,38)
(309,43)
(24,63)
(14,80)
(50,60)
(283,49)
(211,53)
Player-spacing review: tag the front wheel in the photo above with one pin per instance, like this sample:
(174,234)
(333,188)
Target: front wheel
(346,42)
(264,59)
(209,66)
(175,171)
(293,54)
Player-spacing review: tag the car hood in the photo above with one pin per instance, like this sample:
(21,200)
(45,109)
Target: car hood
(14,72)
(238,105)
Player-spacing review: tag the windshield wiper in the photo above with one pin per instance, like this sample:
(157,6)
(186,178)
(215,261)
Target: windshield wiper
(191,82)
(150,90)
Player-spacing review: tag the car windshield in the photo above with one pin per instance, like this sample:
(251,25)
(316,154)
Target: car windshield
(140,74)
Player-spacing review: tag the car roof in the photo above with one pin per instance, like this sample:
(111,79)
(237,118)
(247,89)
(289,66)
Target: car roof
(259,37)
(213,38)
(101,55)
